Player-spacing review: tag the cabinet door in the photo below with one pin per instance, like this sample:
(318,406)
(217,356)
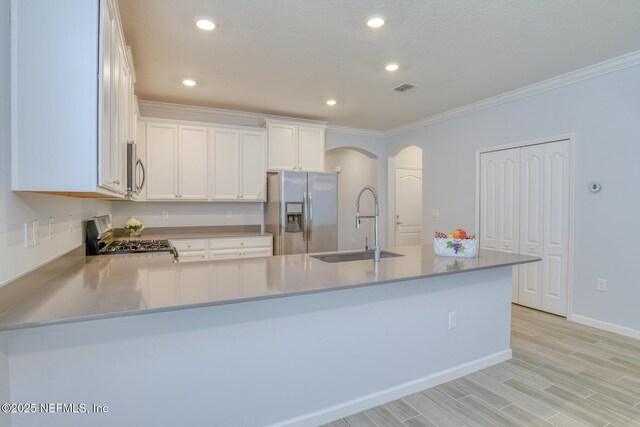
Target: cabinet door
(225,254)
(162,161)
(283,147)
(115,150)
(123,116)
(531,192)
(256,252)
(557,189)
(105,173)
(310,149)
(192,163)
(225,162)
(253,169)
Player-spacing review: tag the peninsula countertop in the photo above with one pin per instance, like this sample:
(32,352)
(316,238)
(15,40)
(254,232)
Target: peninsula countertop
(120,285)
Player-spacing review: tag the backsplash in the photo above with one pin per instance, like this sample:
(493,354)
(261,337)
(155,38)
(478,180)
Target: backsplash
(183,214)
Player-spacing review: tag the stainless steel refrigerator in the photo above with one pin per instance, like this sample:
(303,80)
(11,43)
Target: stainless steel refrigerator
(302,212)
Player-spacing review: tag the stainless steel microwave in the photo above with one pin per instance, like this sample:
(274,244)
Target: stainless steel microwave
(136,173)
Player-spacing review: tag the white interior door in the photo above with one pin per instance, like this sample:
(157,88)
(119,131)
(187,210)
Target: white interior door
(408,207)
(500,204)
(531,225)
(557,188)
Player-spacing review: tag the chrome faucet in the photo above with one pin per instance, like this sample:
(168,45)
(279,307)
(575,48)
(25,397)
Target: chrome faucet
(376,235)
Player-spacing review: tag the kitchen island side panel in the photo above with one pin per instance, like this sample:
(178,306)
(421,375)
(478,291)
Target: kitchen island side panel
(300,360)
(5,395)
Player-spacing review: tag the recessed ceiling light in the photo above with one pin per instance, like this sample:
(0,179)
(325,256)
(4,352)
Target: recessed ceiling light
(331,102)
(189,82)
(206,24)
(391,67)
(375,21)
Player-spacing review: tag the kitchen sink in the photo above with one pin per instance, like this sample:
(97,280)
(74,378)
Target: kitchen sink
(352,256)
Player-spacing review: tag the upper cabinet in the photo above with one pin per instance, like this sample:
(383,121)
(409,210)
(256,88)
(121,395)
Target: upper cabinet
(199,163)
(177,162)
(77,85)
(295,147)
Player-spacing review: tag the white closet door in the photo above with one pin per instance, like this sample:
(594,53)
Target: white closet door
(557,188)
(489,204)
(509,205)
(531,225)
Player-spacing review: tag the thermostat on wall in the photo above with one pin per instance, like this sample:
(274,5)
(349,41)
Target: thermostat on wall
(595,187)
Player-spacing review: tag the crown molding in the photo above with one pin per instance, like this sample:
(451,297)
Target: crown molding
(605,67)
(166,110)
(356,131)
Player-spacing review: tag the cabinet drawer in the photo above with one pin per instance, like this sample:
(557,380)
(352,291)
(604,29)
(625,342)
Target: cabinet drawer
(189,245)
(250,253)
(191,256)
(240,242)
(225,254)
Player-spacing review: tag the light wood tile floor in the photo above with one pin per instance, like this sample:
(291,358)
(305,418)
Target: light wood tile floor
(562,374)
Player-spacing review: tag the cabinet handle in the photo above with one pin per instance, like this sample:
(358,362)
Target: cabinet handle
(116,181)
(241,243)
(532,248)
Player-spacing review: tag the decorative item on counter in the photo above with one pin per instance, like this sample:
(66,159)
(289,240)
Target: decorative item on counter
(134,227)
(456,244)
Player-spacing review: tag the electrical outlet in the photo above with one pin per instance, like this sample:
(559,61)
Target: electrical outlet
(35,230)
(51,225)
(28,234)
(601,285)
(165,214)
(229,214)
(70,219)
(435,213)
(453,319)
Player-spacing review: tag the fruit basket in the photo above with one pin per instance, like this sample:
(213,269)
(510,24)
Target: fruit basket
(456,244)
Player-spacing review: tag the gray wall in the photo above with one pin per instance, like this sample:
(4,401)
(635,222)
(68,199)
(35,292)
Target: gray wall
(5,394)
(604,113)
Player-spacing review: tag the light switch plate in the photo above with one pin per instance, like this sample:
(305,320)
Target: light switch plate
(28,233)
(51,225)
(35,232)
(601,285)
(453,319)
(435,213)
(165,214)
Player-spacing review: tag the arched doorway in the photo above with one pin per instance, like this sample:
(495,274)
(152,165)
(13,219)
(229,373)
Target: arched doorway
(356,168)
(405,182)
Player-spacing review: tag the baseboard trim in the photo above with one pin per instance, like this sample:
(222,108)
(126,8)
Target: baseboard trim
(335,412)
(610,327)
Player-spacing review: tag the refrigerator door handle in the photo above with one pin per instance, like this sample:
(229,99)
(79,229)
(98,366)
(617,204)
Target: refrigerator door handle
(305,213)
(310,227)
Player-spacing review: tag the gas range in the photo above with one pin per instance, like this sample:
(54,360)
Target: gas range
(136,246)
(100,240)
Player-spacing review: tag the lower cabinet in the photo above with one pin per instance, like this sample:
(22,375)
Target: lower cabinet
(222,248)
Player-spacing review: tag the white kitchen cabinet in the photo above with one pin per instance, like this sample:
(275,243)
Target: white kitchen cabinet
(177,166)
(525,198)
(162,161)
(192,163)
(223,248)
(238,164)
(295,147)
(77,146)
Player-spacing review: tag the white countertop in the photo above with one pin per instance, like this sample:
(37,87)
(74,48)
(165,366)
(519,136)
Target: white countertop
(120,285)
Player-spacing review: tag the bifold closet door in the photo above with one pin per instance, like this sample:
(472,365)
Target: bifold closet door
(531,225)
(556,205)
(500,204)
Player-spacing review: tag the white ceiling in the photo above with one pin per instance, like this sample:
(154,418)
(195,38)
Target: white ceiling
(288,57)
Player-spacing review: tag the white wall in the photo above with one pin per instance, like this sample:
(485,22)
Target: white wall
(357,171)
(17,208)
(188,214)
(374,144)
(604,113)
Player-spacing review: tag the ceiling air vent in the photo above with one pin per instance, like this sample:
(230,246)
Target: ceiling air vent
(404,87)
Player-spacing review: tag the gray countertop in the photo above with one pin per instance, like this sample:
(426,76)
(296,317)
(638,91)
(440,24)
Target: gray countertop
(120,285)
